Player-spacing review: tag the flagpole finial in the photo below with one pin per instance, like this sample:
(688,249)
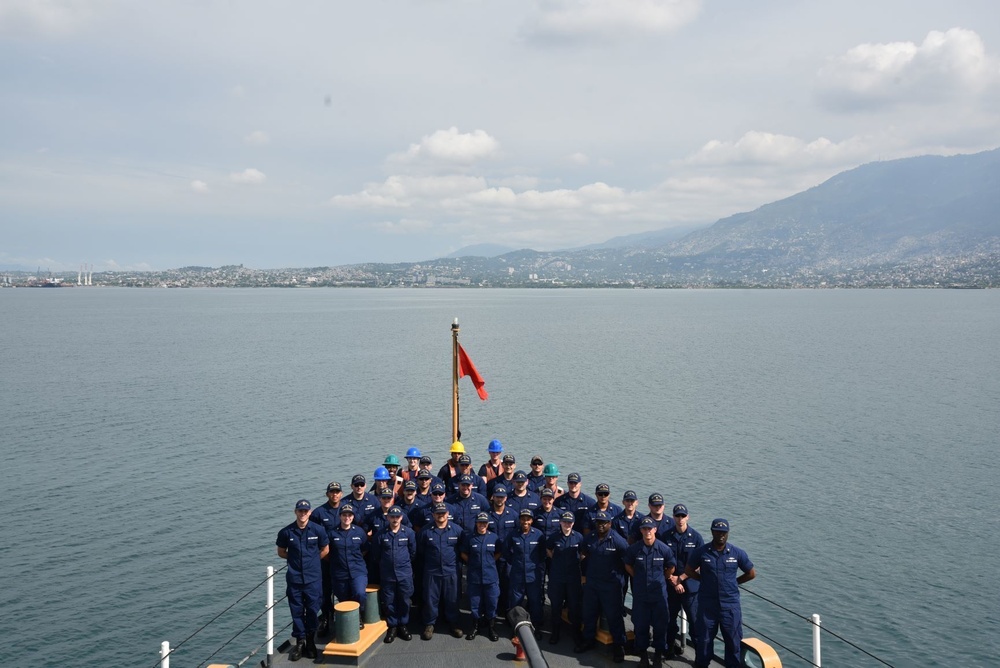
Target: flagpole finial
(454,325)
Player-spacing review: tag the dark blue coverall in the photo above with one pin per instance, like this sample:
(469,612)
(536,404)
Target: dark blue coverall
(304,574)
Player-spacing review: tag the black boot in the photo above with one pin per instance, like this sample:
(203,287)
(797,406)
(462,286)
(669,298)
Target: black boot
(618,653)
(295,653)
(390,635)
(644,659)
(310,651)
(404,633)
(491,631)
(476,625)
(556,630)
(584,646)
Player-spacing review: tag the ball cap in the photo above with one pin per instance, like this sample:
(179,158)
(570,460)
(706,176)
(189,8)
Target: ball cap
(437,487)
(681,509)
(508,459)
(440,508)
(482,517)
(346,509)
(536,460)
(547,492)
(567,517)
(601,516)
(720,525)
(647,522)
(358,480)
(526,512)
(656,499)
(465,479)
(409,486)
(424,475)
(386,494)
(630,496)
(500,491)
(520,476)
(334,487)
(465,459)
(303,504)
(603,489)
(425,459)
(395,511)
(574,477)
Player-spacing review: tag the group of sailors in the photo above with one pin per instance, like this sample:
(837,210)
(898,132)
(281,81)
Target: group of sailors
(516,535)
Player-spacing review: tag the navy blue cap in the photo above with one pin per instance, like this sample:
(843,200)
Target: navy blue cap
(546,491)
(437,487)
(720,525)
(601,516)
(465,459)
(526,512)
(395,511)
(500,490)
(520,476)
(334,487)
(409,485)
(425,459)
(482,517)
(629,496)
(567,517)
(603,489)
(303,504)
(647,522)
(358,480)
(656,499)
(424,475)
(465,479)
(573,477)
(440,508)
(346,508)
(680,509)
(508,459)
(386,493)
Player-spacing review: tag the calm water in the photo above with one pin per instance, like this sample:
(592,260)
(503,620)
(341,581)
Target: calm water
(154,441)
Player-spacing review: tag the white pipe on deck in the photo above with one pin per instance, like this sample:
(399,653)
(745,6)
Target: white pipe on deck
(164,654)
(816,648)
(270,614)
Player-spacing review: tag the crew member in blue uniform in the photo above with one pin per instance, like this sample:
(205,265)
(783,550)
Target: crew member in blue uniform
(715,566)
(525,553)
(426,516)
(664,522)
(348,570)
(565,578)
(585,517)
(682,593)
(506,478)
(377,520)
(536,477)
(503,522)
(480,551)
(425,465)
(465,469)
(650,562)
(363,502)
(327,516)
(625,522)
(602,592)
(407,499)
(394,548)
(466,504)
(439,544)
(547,515)
(303,544)
(574,499)
(522,498)
(423,490)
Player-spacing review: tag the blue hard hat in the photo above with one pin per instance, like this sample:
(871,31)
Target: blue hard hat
(495,446)
(413,452)
(381,473)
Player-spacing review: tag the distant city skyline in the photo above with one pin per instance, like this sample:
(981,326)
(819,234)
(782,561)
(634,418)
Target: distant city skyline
(166,134)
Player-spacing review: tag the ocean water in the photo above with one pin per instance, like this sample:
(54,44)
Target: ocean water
(154,441)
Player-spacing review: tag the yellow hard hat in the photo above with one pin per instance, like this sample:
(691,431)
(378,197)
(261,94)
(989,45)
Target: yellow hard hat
(457,447)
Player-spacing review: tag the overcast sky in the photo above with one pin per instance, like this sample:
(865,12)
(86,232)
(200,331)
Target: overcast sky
(158,134)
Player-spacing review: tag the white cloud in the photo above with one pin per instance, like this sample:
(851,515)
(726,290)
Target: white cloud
(757,147)
(402,191)
(257,138)
(199,186)
(402,226)
(579,159)
(607,20)
(945,65)
(450,146)
(249,176)
(43,17)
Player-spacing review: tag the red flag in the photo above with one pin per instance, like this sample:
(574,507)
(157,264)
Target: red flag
(467,368)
